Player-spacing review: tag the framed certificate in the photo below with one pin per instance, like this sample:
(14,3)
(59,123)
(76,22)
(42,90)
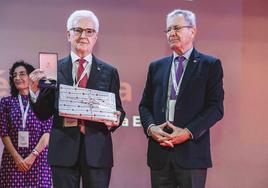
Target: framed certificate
(48,63)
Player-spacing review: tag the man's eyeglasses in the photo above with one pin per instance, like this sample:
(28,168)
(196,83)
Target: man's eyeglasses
(78,31)
(176,28)
(20,74)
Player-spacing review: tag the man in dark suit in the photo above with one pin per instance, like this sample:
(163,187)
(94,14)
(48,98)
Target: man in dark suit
(80,148)
(182,100)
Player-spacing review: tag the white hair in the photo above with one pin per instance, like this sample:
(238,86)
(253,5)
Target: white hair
(188,15)
(78,14)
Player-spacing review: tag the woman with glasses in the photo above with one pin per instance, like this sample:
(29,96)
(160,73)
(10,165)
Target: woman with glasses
(25,138)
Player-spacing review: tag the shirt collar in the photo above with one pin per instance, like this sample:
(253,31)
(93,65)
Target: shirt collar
(75,57)
(187,54)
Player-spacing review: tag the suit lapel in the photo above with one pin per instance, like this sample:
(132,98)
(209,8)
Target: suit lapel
(96,69)
(166,72)
(66,70)
(192,64)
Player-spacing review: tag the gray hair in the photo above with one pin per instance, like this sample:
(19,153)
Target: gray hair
(188,15)
(78,14)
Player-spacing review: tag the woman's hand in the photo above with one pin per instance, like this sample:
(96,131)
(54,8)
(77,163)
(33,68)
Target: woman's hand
(20,163)
(29,161)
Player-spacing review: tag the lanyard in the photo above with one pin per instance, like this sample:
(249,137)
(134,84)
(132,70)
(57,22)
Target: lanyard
(82,75)
(174,81)
(23,113)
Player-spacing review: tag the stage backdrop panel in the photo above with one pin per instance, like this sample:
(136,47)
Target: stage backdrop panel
(131,36)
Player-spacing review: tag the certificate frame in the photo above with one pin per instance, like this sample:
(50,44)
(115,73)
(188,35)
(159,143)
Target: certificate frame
(48,62)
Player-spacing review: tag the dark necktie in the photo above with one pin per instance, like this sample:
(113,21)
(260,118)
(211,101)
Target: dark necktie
(179,72)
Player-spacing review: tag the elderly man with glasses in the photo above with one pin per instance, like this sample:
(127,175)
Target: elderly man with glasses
(84,150)
(182,100)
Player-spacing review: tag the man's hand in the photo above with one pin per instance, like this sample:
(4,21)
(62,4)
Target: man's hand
(160,135)
(111,124)
(34,78)
(178,135)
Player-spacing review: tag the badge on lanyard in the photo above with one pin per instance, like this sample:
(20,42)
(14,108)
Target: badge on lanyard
(23,139)
(171,110)
(23,136)
(70,122)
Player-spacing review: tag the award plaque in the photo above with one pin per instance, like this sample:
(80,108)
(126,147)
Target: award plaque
(48,63)
(87,104)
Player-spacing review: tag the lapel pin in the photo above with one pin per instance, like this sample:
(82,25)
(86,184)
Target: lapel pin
(195,61)
(98,68)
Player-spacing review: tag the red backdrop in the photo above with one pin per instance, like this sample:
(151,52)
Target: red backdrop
(131,35)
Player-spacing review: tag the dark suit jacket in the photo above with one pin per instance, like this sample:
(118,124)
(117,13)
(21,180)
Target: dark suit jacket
(199,106)
(64,142)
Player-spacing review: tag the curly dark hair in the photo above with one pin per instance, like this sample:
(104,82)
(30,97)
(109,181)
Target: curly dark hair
(29,68)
